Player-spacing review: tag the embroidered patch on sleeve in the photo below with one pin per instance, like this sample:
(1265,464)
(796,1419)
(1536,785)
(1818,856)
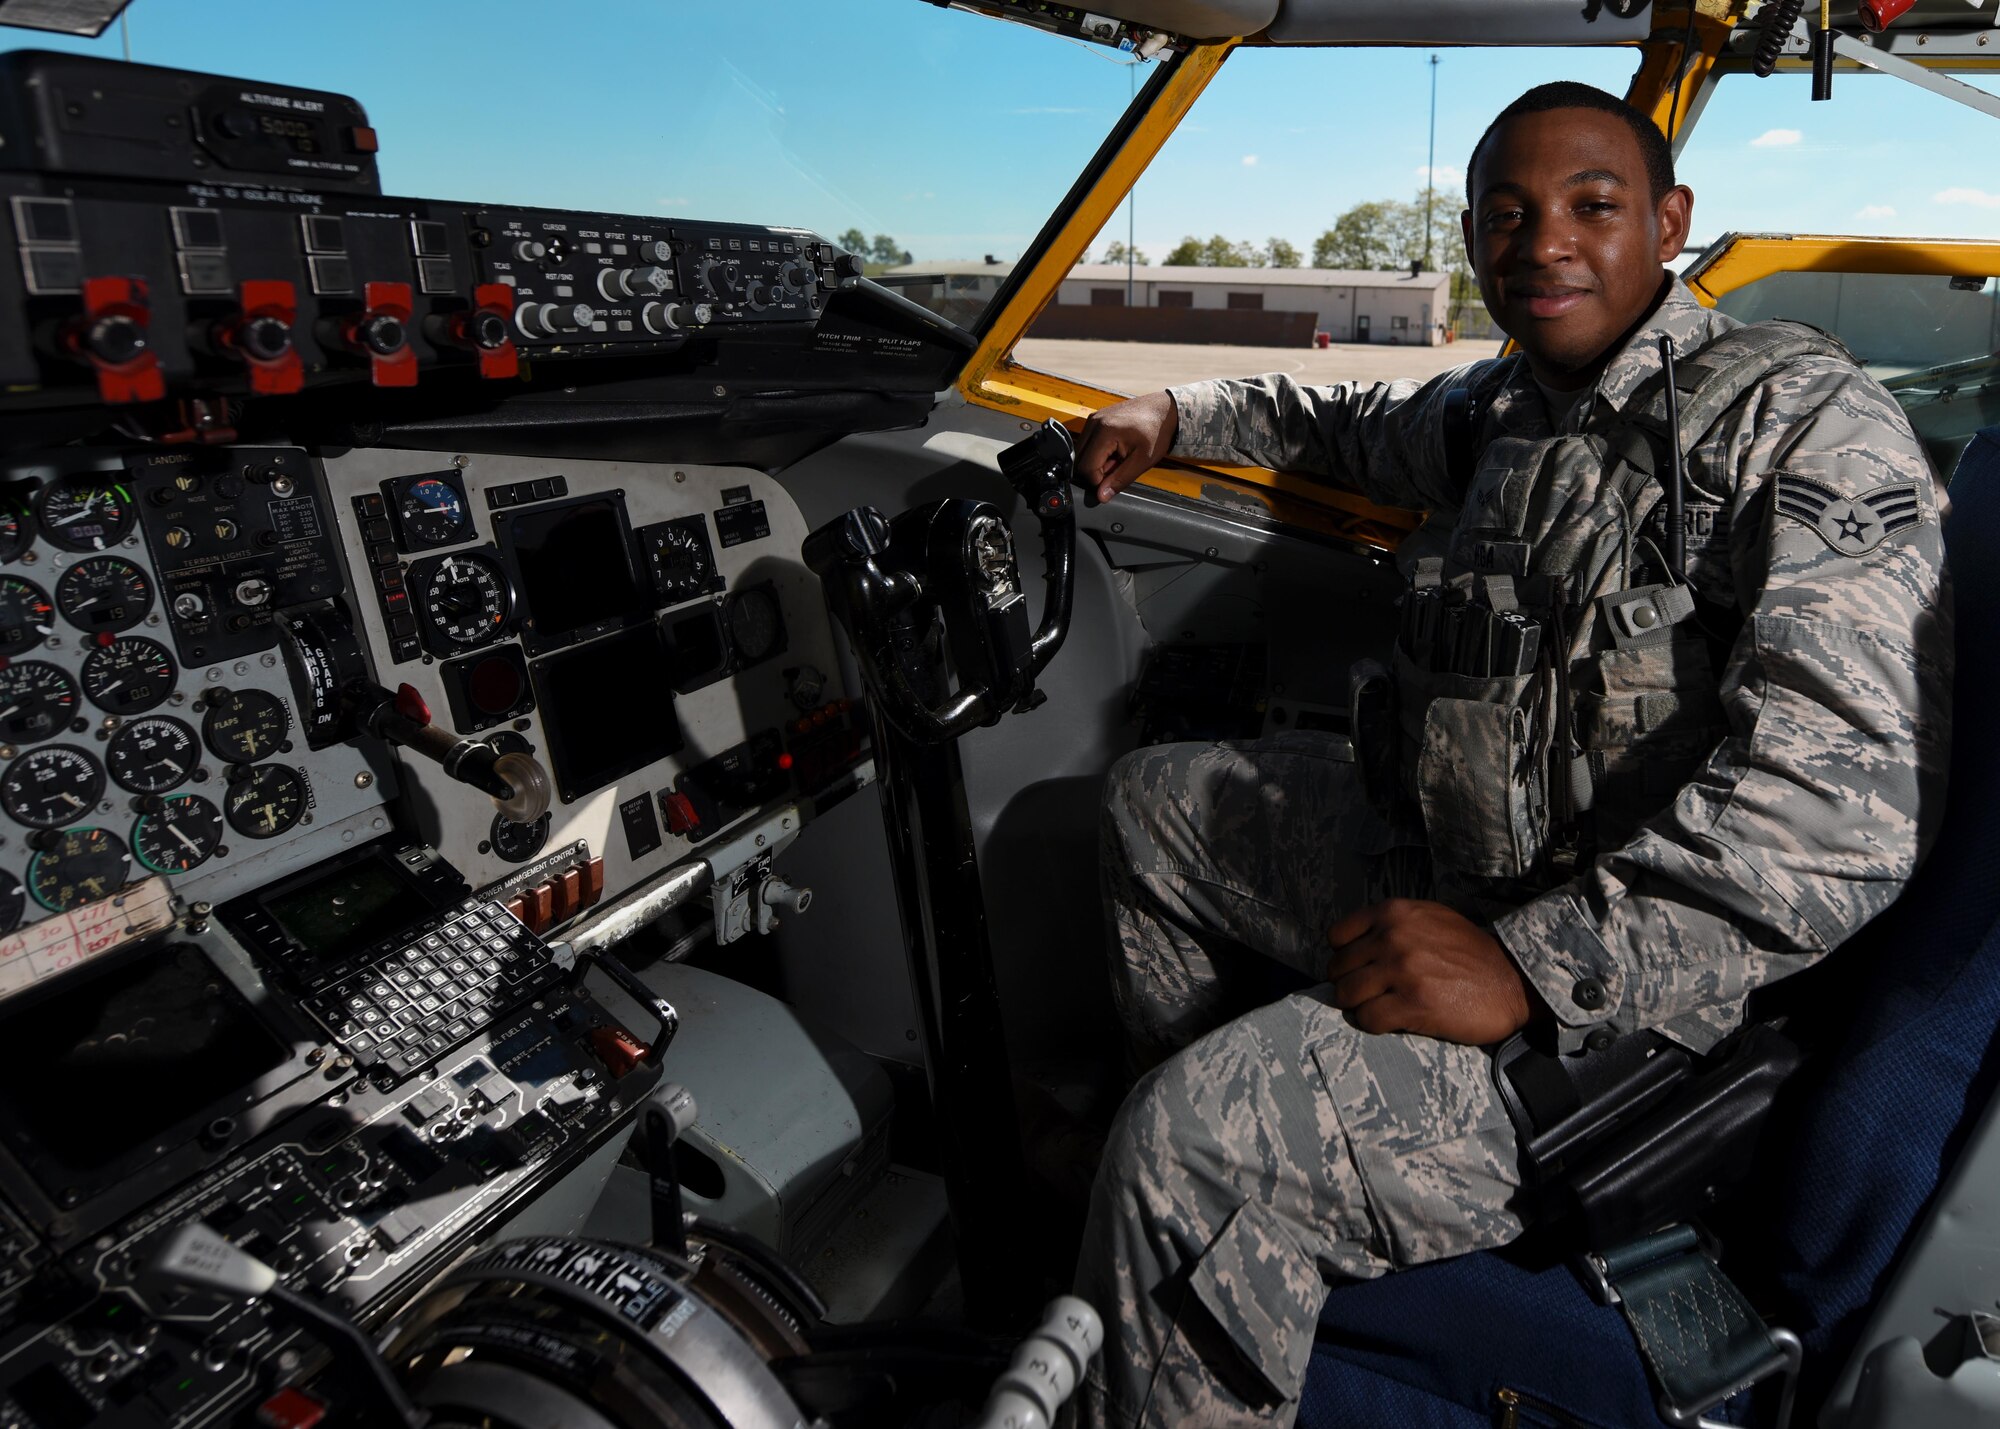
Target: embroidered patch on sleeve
(1855,525)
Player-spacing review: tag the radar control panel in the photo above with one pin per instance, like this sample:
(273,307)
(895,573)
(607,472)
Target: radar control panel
(359,690)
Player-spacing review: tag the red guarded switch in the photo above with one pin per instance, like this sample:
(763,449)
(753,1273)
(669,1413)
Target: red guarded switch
(680,812)
(487,330)
(381,333)
(260,335)
(114,337)
(290,1409)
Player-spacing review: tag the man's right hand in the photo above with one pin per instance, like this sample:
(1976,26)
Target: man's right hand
(1124,441)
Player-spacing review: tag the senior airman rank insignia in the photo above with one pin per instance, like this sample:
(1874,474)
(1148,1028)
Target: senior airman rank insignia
(1852,525)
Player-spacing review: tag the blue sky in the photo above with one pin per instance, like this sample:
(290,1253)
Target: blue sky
(957,135)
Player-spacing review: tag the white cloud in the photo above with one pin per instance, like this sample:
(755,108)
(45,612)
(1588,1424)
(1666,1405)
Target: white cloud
(1776,139)
(1877,210)
(1444,176)
(1978,198)
(671,203)
(1249,161)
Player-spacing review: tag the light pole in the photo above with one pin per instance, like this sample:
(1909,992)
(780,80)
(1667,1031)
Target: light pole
(1430,165)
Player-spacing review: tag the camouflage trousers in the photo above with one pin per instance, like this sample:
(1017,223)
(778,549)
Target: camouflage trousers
(1276,1150)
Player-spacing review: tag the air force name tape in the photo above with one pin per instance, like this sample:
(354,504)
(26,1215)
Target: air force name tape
(1852,525)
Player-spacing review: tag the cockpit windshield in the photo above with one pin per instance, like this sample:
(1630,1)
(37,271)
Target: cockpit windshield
(907,132)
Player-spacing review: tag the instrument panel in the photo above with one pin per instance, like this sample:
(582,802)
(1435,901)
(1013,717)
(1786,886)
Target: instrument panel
(271,947)
(148,724)
(625,621)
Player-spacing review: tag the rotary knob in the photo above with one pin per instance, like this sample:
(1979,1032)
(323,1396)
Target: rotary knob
(797,277)
(260,337)
(116,338)
(649,281)
(717,276)
(667,318)
(531,250)
(757,295)
(657,250)
(554,319)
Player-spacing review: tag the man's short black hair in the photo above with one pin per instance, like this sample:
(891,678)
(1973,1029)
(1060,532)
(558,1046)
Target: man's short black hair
(1568,94)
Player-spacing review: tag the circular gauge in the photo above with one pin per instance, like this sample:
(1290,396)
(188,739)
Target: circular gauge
(756,626)
(462,600)
(245,726)
(433,512)
(151,756)
(13,901)
(86,513)
(82,866)
(683,564)
(36,700)
(266,801)
(26,616)
(17,529)
(506,741)
(104,593)
(128,675)
(181,834)
(517,843)
(47,788)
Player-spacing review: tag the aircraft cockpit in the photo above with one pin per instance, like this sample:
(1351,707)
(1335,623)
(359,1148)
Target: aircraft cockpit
(557,674)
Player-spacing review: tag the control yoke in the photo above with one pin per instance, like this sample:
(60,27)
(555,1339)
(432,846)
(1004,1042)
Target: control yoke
(889,583)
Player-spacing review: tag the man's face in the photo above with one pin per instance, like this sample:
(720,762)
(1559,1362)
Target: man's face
(1566,238)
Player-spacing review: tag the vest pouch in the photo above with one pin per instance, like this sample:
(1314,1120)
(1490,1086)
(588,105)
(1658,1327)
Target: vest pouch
(1653,718)
(1478,779)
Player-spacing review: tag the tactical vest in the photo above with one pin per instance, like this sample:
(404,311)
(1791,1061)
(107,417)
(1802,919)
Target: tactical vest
(1553,685)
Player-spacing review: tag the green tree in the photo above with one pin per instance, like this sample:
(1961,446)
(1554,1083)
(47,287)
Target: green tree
(1117,253)
(1367,236)
(1280,254)
(887,251)
(854,241)
(1215,252)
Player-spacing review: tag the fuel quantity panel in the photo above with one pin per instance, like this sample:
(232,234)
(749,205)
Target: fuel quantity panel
(645,631)
(148,724)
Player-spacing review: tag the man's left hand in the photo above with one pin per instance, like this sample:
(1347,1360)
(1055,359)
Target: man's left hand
(1406,965)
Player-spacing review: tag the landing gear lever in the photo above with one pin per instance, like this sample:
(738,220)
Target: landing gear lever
(941,581)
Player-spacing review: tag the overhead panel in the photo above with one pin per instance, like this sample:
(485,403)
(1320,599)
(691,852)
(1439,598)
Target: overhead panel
(1194,19)
(1458,22)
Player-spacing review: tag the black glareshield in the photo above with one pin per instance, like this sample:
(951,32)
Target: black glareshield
(890,582)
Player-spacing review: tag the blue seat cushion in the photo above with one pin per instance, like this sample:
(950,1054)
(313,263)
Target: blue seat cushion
(1433,1346)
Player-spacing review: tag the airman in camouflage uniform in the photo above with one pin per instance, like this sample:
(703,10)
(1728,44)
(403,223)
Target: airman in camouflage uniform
(1308,1140)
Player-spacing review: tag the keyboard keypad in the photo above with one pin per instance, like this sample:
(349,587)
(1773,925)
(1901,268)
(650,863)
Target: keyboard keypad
(401,1007)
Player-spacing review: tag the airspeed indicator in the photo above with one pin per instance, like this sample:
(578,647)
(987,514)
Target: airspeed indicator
(463,600)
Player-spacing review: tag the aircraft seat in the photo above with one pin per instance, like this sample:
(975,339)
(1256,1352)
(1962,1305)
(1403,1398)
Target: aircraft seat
(1854,1157)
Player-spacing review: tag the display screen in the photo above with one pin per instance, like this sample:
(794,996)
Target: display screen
(575,567)
(608,707)
(111,1060)
(347,910)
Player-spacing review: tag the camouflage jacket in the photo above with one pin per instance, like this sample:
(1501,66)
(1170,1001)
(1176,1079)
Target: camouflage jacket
(1819,782)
